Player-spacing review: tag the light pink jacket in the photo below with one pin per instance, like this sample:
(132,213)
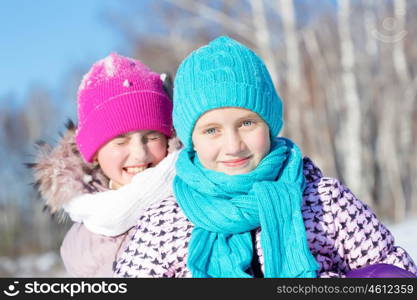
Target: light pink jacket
(86,254)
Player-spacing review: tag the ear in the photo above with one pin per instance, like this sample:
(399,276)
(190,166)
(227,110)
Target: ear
(167,84)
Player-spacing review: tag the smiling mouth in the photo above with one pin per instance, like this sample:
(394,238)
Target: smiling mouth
(239,162)
(136,169)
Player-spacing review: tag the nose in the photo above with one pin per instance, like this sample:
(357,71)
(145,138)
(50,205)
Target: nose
(233,143)
(138,150)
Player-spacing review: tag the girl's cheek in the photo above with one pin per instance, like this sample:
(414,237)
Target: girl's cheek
(208,152)
(108,154)
(260,143)
(159,151)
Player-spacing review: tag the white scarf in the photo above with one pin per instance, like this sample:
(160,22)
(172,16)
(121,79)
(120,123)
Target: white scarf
(114,212)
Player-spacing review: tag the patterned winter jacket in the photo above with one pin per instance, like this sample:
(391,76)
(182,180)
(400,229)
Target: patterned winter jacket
(343,234)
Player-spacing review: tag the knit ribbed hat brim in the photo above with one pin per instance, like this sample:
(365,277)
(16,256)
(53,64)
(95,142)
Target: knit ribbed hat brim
(120,115)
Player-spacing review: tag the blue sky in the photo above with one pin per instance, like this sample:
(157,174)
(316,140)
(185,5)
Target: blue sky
(40,40)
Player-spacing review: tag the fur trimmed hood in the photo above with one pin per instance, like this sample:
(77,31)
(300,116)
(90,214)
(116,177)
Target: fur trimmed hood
(61,174)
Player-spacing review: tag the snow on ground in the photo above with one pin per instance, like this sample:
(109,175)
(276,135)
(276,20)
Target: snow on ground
(405,235)
(48,264)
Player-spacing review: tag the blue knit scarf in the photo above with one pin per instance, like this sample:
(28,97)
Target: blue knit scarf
(225,208)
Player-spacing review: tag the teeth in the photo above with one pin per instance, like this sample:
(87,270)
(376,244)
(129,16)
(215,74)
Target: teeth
(135,169)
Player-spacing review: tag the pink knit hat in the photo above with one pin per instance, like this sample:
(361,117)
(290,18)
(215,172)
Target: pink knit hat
(116,96)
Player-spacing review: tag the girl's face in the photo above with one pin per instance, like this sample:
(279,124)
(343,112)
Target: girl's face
(231,140)
(131,153)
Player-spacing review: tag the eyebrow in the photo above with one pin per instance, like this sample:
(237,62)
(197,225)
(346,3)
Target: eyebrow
(248,116)
(207,125)
(121,136)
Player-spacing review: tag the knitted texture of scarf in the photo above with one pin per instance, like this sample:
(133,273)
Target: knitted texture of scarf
(224,209)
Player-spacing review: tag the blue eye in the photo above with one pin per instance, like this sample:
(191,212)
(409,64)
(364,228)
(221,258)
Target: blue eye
(247,123)
(210,131)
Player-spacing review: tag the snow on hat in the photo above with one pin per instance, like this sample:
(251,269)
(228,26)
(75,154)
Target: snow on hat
(119,95)
(223,73)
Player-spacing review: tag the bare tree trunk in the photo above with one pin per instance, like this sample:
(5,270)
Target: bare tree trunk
(367,78)
(287,10)
(325,95)
(370,26)
(199,8)
(351,132)
(387,153)
(263,37)
(296,91)
(408,141)
(405,126)
(398,53)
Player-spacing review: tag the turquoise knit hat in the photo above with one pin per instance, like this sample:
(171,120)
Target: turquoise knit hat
(223,73)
